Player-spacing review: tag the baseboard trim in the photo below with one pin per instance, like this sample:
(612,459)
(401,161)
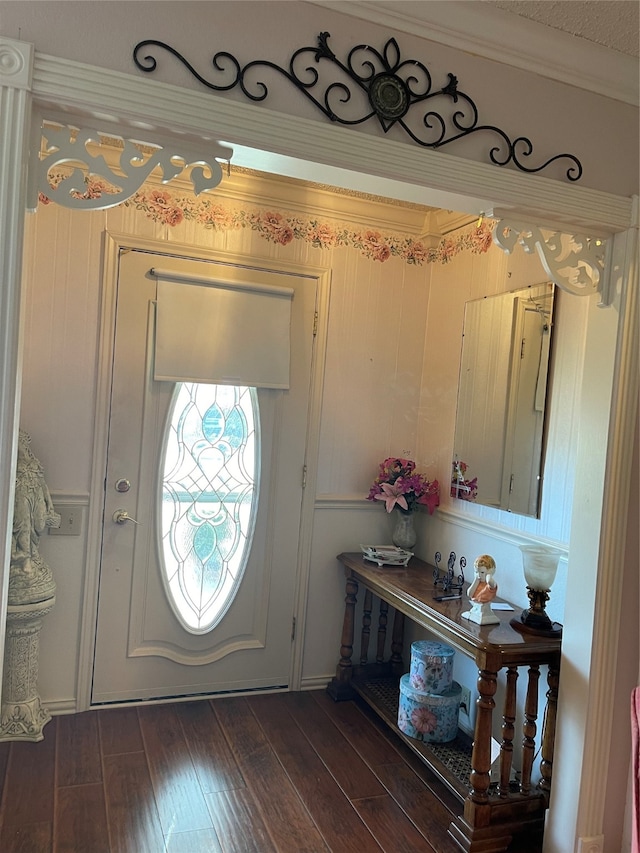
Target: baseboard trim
(61,706)
(316,682)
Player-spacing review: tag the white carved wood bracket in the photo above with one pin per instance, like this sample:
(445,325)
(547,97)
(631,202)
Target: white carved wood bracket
(95,184)
(576,263)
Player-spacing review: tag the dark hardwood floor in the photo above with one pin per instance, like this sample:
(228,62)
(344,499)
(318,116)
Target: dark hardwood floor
(288,772)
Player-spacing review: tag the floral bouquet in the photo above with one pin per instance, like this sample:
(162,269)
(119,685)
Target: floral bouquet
(461,487)
(398,485)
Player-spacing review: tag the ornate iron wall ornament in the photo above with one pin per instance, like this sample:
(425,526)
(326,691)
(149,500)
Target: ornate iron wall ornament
(372,84)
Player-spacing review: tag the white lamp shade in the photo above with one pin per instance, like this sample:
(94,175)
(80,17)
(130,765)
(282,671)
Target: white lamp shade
(540,565)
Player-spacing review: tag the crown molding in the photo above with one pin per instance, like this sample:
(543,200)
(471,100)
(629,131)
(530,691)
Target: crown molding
(505,37)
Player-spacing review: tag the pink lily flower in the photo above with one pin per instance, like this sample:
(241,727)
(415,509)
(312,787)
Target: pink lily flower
(392,495)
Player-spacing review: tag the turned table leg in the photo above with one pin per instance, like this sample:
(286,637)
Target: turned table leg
(382,630)
(397,642)
(473,830)
(339,687)
(366,627)
(481,757)
(549,731)
(508,731)
(529,729)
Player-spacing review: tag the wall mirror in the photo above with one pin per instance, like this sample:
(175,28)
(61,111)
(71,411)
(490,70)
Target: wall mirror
(502,396)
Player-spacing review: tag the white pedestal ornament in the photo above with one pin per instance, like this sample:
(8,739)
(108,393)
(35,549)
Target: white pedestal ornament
(31,597)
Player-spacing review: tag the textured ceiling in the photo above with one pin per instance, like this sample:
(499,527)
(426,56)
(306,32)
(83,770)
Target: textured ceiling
(611,23)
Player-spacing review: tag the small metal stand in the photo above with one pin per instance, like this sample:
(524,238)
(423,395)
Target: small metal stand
(450,582)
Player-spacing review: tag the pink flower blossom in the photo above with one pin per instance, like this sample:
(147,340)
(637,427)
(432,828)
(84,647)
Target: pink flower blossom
(321,235)
(216,215)
(398,484)
(159,199)
(382,254)
(431,498)
(95,188)
(424,720)
(375,246)
(173,216)
(284,236)
(276,227)
(392,495)
(415,252)
(417,681)
(447,250)
(481,240)
(461,487)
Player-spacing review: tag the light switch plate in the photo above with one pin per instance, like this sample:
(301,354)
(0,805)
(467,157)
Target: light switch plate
(71,520)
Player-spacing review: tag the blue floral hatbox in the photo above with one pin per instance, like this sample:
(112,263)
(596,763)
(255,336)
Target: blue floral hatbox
(431,717)
(431,668)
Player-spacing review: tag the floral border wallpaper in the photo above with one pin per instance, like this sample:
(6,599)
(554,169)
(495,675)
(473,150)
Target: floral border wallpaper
(276,227)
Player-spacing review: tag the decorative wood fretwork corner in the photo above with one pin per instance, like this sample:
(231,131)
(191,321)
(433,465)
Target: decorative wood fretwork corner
(491,813)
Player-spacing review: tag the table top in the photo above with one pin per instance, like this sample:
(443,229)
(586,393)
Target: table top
(411,590)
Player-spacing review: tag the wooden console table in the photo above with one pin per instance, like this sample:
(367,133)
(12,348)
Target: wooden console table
(490,813)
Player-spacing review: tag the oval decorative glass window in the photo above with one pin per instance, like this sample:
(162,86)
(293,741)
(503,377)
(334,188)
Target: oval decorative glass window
(209,499)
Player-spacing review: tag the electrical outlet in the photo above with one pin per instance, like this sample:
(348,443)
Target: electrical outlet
(594,844)
(465,704)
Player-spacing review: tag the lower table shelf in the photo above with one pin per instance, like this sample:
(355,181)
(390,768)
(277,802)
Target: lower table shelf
(450,761)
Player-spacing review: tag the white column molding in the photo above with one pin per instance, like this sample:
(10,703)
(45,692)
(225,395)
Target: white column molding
(16,64)
(89,183)
(16,61)
(617,483)
(576,263)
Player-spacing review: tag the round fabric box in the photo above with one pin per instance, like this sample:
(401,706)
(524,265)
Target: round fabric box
(431,668)
(430,717)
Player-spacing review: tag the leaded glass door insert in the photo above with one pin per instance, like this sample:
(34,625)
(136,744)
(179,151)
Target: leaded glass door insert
(208,499)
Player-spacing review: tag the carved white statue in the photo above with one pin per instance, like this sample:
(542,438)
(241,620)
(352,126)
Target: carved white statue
(30,578)
(482,591)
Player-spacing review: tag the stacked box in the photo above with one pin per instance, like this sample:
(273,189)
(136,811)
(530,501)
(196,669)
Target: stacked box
(431,668)
(429,697)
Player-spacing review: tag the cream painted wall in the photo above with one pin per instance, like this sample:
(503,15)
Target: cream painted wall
(375,309)
(391,373)
(471,276)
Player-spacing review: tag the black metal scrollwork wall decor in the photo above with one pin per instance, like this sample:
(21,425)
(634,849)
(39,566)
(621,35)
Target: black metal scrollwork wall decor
(371,85)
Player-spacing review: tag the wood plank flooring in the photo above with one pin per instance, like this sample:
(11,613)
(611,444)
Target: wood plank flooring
(282,773)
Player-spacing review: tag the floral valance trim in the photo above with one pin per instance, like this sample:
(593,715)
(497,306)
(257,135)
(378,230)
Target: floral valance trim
(169,209)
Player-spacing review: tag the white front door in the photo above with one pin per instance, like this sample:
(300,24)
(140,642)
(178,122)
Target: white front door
(148,643)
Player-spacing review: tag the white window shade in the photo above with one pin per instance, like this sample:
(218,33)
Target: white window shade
(228,333)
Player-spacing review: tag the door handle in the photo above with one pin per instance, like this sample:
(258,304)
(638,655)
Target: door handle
(121,516)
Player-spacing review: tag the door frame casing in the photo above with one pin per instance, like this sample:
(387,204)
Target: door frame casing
(113,243)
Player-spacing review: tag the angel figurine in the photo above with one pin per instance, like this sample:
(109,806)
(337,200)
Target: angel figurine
(482,591)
